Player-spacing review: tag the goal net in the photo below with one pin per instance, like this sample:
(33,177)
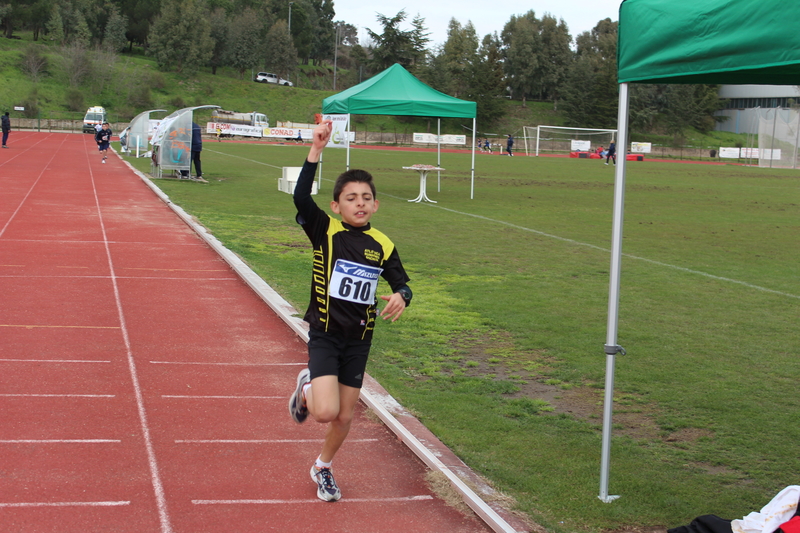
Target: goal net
(558,139)
(778,138)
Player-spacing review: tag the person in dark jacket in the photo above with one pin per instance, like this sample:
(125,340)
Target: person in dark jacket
(103,139)
(6,128)
(197,147)
(612,153)
(509,144)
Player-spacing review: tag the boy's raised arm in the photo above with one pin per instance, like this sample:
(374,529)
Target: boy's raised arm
(319,140)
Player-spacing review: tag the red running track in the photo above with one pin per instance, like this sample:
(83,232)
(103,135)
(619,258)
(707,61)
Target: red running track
(143,384)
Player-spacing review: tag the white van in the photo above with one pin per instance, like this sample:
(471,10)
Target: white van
(95,115)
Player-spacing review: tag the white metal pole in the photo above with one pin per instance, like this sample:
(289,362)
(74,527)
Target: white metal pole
(611,346)
(439,154)
(137,147)
(472,181)
(538,132)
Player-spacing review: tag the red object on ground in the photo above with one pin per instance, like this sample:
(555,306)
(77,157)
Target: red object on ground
(143,384)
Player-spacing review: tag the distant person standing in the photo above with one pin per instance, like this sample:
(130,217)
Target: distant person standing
(197,147)
(6,128)
(509,145)
(612,153)
(103,139)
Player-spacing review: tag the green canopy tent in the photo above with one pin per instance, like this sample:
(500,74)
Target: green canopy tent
(395,91)
(686,41)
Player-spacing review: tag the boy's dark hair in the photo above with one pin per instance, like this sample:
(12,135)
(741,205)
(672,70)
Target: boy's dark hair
(353,175)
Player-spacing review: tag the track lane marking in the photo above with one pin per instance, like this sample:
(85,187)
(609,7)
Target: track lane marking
(155,477)
(264,441)
(400,499)
(65,504)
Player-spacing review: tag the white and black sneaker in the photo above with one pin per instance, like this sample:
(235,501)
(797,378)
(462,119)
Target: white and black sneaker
(297,404)
(327,490)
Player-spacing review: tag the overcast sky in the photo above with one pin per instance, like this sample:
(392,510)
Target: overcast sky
(486,15)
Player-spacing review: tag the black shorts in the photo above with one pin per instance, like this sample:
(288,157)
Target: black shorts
(102,146)
(334,355)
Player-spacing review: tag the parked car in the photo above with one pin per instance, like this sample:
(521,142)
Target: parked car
(269,77)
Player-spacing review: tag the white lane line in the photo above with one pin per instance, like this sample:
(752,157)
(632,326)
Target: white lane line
(244,158)
(223,397)
(265,441)
(158,488)
(60,441)
(51,361)
(65,504)
(224,364)
(57,395)
(33,186)
(402,499)
(600,248)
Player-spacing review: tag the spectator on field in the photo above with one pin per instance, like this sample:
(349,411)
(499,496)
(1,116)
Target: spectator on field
(509,145)
(197,147)
(6,129)
(612,153)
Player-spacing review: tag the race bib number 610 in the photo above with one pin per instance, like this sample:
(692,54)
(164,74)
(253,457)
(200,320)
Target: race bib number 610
(354,282)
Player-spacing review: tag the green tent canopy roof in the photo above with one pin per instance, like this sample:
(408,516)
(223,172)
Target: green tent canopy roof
(396,92)
(709,41)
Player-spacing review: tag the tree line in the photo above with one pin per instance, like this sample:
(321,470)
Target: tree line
(533,58)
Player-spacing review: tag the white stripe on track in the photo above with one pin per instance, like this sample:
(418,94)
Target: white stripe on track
(64,504)
(265,441)
(60,441)
(50,361)
(33,186)
(224,364)
(155,477)
(58,395)
(405,499)
(244,158)
(187,397)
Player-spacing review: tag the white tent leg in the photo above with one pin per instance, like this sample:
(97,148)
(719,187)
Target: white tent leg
(347,166)
(472,180)
(611,346)
(439,154)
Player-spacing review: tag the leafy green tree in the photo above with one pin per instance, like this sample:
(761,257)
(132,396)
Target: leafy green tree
(245,42)
(591,92)
(114,38)
(324,31)
(219,34)
(460,55)
(280,55)
(555,57)
(55,26)
(140,14)
(489,85)
(398,46)
(180,39)
(522,42)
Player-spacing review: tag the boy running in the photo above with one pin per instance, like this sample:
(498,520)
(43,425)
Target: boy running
(348,257)
(103,138)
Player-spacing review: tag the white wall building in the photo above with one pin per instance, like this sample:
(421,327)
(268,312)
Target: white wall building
(747,102)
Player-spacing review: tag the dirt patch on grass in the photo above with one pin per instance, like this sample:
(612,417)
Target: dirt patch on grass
(496,356)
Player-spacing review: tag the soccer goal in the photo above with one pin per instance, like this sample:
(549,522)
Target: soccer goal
(558,139)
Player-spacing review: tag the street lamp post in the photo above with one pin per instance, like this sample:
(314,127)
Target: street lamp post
(335,56)
(290,18)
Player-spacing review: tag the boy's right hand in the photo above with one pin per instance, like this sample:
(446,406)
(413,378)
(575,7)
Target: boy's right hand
(319,140)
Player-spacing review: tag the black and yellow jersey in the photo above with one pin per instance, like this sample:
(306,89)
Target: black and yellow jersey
(346,265)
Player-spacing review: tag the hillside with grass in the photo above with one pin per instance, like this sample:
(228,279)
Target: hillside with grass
(54,82)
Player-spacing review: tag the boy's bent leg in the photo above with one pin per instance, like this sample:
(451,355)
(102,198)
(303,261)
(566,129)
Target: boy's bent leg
(322,398)
(340,426)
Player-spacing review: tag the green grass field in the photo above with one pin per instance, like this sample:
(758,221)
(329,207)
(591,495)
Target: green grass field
(501,353)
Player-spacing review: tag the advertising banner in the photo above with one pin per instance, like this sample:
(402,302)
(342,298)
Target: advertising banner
(339,136)
(430,138)
(580,146)
(234,129)
(641,148)
(729,153)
